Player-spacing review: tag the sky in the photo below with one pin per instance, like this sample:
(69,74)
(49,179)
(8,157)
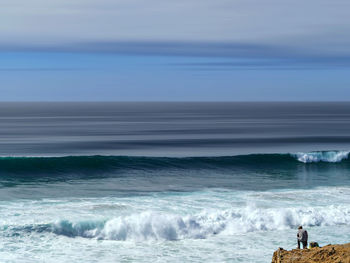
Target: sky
(183,50)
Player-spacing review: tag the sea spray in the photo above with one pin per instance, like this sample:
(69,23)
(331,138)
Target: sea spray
(329,156)
(161,226)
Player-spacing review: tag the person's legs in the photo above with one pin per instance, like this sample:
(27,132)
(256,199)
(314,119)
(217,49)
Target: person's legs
(298,244)
(304,244)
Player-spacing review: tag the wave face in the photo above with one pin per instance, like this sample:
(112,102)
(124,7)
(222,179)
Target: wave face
(98,164)
(123,175)
(161,226)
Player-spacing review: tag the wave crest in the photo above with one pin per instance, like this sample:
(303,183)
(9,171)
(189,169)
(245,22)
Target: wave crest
(82,166)
(314,157)
(156,226)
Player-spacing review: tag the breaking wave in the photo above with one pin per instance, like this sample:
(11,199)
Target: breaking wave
(160,226)
(85,165)
(314,157)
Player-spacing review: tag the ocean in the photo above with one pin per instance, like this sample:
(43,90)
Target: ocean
(171,181)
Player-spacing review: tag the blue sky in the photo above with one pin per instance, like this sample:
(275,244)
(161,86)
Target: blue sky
(174,50)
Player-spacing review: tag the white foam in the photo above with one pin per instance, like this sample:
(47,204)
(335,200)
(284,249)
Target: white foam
(330,156)
(210,226)
(158,226)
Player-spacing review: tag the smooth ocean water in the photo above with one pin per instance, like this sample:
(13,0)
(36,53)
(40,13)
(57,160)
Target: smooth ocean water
(170,182)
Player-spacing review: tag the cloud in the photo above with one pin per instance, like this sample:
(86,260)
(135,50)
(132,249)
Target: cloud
(234,28)
(220,56)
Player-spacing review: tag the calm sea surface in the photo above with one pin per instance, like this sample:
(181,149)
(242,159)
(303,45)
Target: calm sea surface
(171,129)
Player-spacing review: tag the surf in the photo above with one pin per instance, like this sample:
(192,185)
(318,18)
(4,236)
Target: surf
(155,225)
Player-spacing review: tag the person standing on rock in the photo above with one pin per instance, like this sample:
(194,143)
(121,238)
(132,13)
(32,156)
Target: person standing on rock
(302,237)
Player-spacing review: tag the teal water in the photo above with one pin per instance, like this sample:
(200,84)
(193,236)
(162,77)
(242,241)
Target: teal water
(100,176)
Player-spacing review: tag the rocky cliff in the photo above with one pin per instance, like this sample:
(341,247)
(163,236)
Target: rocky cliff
(326,254)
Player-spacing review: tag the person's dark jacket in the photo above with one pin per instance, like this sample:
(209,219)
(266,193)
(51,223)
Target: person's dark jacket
(302,235)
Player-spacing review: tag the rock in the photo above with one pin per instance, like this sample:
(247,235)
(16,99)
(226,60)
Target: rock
(326,254)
